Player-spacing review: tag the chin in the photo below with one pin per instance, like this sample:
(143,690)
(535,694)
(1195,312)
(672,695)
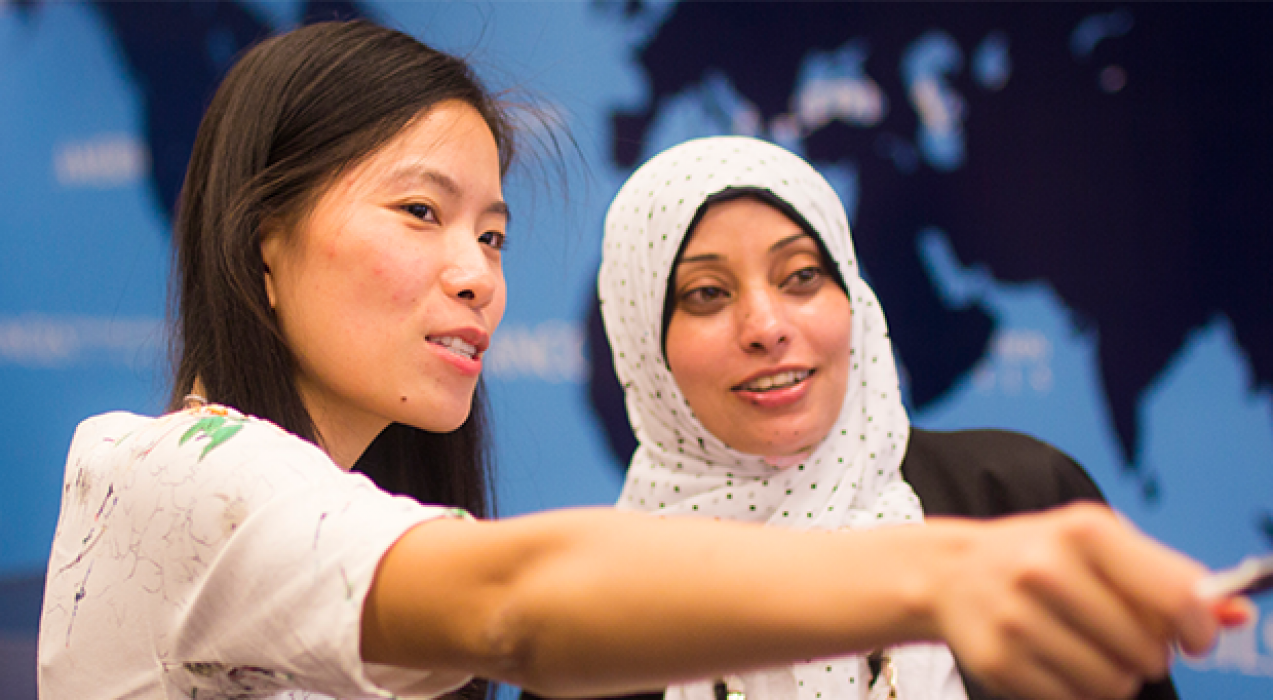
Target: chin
(432,410)
(435,421)
(448,426)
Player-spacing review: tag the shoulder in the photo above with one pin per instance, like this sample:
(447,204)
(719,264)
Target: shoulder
(984,473)
(146,462)
(213,434)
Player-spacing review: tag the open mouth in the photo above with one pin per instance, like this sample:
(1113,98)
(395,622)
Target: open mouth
(773,382)
(455,345)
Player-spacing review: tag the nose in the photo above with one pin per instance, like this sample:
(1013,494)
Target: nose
(763,323)
(470,275)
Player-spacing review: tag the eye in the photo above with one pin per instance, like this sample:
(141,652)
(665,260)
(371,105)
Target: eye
(703,299)
(423,212)
(705,293)
(494,239)
(805,278)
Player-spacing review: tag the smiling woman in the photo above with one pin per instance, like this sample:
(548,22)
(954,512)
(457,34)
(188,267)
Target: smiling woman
(339,276)
(758,339)
(778,401)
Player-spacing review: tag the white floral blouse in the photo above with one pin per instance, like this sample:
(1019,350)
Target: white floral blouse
(208,554)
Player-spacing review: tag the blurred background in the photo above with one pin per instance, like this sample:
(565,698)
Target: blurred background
(1065,209)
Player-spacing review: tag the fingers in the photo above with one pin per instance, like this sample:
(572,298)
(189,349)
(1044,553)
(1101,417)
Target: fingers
(1054,666)
(1026,680)
(1075,604)
(1072,666)
(1197,628)
(1042,647)
(1157,583)
(1087,612)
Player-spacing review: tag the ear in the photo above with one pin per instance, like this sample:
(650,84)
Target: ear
(271,251)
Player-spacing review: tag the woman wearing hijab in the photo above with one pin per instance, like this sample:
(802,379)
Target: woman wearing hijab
(761,385)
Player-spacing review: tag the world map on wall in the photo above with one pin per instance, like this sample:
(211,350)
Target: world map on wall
(1111,151)
(1043,196)
(1123,192)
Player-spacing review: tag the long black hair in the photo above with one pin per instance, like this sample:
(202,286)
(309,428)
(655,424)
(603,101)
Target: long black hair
(295,112)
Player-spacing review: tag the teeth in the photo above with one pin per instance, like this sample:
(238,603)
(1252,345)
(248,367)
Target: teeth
(776,381)
(455,345)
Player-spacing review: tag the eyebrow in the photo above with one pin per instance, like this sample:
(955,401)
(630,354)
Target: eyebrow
(788,241)
(411,174)
(713,257)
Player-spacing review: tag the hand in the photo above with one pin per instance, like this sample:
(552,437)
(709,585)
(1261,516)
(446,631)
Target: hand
(1071,603)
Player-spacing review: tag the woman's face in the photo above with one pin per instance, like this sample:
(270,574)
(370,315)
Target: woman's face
(759,335)
(388,291)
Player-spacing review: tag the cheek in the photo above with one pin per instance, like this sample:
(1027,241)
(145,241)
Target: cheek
(831,333)
(828,325)
(495,312)
(400,285)
(836,338)
(698,352)
(392,278)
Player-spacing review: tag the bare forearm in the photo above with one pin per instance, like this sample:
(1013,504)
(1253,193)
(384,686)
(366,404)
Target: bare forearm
(598,601)
(675,600)
(1064,604)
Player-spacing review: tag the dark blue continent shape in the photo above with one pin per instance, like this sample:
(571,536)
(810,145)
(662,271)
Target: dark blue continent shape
(177,53)
(1148,209)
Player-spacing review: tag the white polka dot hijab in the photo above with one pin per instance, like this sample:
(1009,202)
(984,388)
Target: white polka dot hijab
(852,479)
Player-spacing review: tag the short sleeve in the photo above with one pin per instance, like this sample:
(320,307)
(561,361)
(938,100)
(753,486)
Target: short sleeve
(231,557)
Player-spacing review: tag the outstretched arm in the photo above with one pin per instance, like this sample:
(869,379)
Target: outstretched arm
(1069,603)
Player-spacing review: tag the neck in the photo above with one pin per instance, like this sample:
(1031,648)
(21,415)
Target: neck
(345,440)
(342,433)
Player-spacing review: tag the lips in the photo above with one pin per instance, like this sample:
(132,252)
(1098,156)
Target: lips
(468,343)
(775,381)
(455,345)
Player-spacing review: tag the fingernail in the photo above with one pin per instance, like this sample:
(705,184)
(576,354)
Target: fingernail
(1233,612)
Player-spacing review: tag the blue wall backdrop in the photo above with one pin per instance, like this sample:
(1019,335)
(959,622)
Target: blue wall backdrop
(1065,210)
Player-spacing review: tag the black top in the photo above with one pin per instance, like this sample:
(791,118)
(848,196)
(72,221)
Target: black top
(988,473)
